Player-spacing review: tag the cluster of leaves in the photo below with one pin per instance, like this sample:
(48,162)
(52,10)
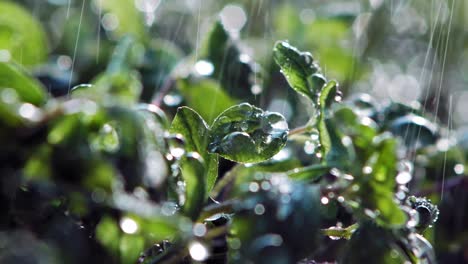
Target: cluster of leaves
(107,173)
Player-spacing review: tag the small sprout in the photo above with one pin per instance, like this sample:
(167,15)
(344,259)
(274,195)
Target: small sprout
(428,212)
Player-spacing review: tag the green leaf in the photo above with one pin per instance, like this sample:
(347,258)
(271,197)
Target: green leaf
(246,134)
(323,102)
(332,148)
(309,173)
(196,134)
(21,35)
(199,92)
(377,186)
(299,69)
(27,88)
(193,172)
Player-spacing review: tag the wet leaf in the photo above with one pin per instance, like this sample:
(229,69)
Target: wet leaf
(193,172)
(196,135)
(380,183)
(309,173)
(247,134)
(299,69)
(328,91)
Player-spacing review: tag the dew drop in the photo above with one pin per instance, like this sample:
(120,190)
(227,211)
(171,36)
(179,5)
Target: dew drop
(309,147)
(324,200)
(8,96)
(30,112)
(172,99)
(198,252)
(256,89)
(413,218)
(307,57)
(367,170)
(128,225)
(177,152)
(338,96)
(244,126)
(403,177)
(204,68)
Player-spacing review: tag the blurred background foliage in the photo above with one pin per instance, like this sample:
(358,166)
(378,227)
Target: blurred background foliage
(409,56)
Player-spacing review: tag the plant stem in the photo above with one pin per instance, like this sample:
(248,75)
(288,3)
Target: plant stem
(299,130)
(228,178)
(225,207)
(341,232)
